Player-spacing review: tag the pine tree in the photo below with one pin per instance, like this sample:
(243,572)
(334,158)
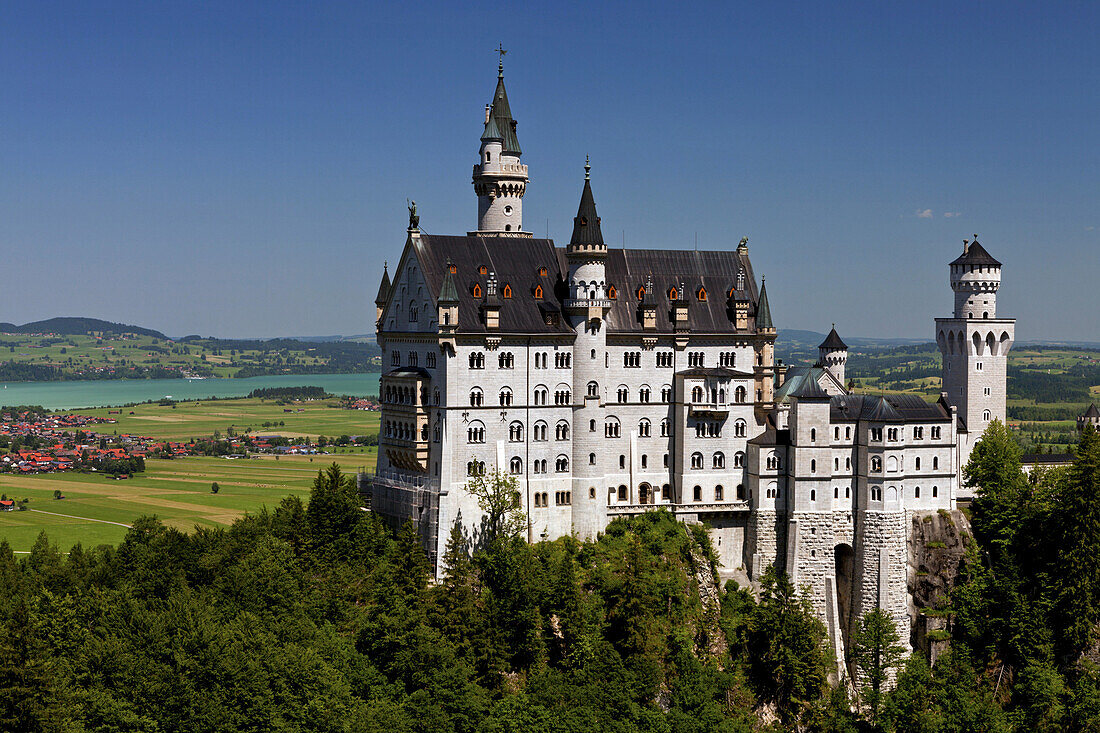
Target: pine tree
(994,473)
(1076,574)
(877,651)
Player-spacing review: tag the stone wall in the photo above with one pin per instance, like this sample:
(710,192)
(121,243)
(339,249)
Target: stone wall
(766,541)
(880,575)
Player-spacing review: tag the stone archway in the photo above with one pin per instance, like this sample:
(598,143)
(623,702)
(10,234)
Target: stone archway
(645,494)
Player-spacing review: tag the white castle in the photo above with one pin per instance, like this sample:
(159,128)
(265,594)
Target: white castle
(615,382)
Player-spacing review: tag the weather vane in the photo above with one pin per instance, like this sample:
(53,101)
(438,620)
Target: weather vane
(503,53)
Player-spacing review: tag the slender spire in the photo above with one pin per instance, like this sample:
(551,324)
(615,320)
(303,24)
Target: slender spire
(763,310)
(448,293)
(587,168)
(500,115)
(586,225)
(384,288)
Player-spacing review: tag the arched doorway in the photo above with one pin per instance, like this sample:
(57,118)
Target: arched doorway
(645,494)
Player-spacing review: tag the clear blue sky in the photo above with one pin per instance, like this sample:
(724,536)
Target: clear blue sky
(241,169)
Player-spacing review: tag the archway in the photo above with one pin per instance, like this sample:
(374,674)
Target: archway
(645,494)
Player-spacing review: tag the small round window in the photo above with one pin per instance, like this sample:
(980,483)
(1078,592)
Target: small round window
(507,210)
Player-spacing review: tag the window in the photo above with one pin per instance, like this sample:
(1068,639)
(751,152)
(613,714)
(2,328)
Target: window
(612,429)
(773,462)
(515,465)
(665,428)
(593,389)
(643,395)
(876,433)
(892,433)
(985,415)
(505,397)
(916,492)
(918,433)
(538,292)
(506,360)
(813,435)
(431,362)
(978,366)
(643,428)
(697,460)
(477,290)
(612,292)
(395,359)
(987,391)
(632,359)
(876,464)
(482,270)
(696,394)
(591,426)
(561,431)
(935,491)
(664,359)
(727,359)
(475,433)
(507,292)
(719,493)
(538,500)
(561,464)
(739,428)
(591,459)
(876,493)
(475,468)
(622,461)
(542,272)
(739,459)
(813,494)
(935,432)
(847,432)
(702,295)
(515,432)
(848,464)
(739,395)
(672,294)
(696,359)
(541,394)
(645,461)
(918,462)
(666,394)
(664,461)
(623,394)
(935,462)
(562,396)
(477,361)
(414,313)
(563,498)
(697,493)
(540,431)
(719,460)
(414,358)
(563,360)
(773,492)
(476,397)
(813,466)
(540,360)
(836,464)
(836,433)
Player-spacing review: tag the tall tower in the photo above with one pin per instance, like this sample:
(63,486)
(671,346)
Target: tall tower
(586,307)
(975,343)
(832,354)
(500,180)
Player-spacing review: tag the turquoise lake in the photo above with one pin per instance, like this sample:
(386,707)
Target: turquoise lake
(110,392)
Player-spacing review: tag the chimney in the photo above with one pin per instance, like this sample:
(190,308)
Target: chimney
(487,108)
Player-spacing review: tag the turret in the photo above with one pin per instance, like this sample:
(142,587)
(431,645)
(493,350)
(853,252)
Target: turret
(587,254)
(499,179)
(833,354)
(383,296)
(447,320)
(975,278)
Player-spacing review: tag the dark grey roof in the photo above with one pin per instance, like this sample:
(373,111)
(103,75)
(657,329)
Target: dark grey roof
(715,372)
(975,254)
(833,342)
(586,224)
(810,389)
(763,310)
(516,261)
(713,271)
(383,296)
(1092,411)
(892,408)
(501,116)
(1048,458)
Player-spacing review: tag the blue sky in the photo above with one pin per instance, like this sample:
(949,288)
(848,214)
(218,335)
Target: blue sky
(241,169)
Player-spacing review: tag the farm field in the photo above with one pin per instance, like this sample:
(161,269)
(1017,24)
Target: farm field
(176,491)
(202,418)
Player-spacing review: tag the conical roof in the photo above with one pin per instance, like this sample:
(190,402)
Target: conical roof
(501,125)
(383,288)
(833,342)
(763,310)
(975,254)
(1092,411)
(448,293)
(586,225)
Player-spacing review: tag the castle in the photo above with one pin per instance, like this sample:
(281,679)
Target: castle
(611,382)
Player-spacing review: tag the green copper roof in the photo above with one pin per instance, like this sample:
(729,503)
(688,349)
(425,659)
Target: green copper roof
(492,130)
(383,289)
(763,310)
(448,294)
(501,116)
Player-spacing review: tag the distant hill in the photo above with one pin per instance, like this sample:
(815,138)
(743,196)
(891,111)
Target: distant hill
(76,326)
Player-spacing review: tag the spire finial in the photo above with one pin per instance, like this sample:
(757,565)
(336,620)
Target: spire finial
(587,168)
(500,67)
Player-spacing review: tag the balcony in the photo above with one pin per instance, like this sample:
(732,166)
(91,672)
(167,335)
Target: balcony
(702,507)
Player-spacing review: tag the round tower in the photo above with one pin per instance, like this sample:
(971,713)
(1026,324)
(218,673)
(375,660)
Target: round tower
(975,278)
(833,354)
(499,179)
(586,305)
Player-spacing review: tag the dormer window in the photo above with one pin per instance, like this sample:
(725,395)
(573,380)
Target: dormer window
(641,293)
(538,292)
(702,295)
(507,291)
(482,270)
(612,292)
(673,295)
(477,290)
(542,272)
(584,221)
(453,268)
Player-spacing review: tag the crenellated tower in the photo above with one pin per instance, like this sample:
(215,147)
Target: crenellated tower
(975,343)
(500,179)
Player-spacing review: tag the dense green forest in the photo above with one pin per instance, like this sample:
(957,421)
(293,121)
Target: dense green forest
(317,618)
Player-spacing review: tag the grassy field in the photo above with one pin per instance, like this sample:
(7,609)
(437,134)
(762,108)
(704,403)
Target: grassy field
(176,491)
(187,420)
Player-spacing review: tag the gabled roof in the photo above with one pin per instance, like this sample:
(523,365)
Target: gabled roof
(796,376)
(809,389)
(975,254)
(833,342)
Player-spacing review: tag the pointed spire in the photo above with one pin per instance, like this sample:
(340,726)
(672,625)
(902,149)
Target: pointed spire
(833,342)
(384,288)
(500,115)
(587,168)
(448,293)
(586,225)
(763,310)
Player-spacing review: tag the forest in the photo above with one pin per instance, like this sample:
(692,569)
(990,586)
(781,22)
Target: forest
(315,617)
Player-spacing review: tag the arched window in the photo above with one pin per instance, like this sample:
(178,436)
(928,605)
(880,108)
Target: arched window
(623,394)
(542,272)
(622,493)
(643,428)
(935,491)
(540,431)
(916,492)
(561,431)
(475,432)
(719,460)
(593,389)
(697,493)
(538,292)
(813,466)
(541,394)
(719,493)
(666,394)
(643,395)
(985,415)
(813,435)
(561,464)
(640,293)
(475,468)
(591,459)
(515,432)
(739,459)
(696,394)
(666,428)
(935,462)
(739,429)
(876,464)
(482,270)
(505,397)
(506,360)
(477,361)
(515,465)
(739,395)
(813,494)
(611,428)
(697,460)
(476,397)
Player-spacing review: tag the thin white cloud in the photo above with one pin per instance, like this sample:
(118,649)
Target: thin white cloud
(949,214)
(1089,229)
(924,213)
